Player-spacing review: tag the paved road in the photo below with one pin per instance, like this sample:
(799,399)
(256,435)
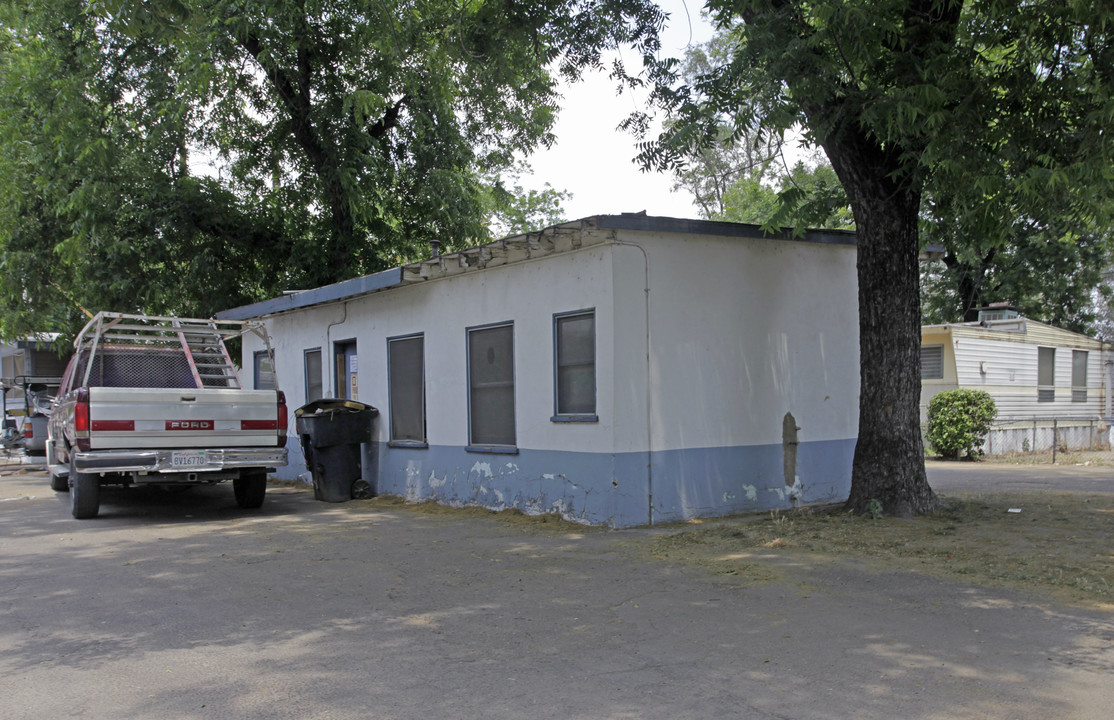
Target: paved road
(992,477)
(186,607)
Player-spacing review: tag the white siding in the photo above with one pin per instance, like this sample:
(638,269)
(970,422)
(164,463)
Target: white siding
(1005,365)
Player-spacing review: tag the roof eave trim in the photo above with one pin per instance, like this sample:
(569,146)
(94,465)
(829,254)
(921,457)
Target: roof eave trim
(650,223)
(336,292)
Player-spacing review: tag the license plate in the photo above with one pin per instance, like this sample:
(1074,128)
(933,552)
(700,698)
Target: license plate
(188,459)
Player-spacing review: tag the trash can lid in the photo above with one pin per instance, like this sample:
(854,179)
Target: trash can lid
(331,405)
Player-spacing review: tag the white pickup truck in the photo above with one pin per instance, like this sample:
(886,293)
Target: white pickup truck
(157,401)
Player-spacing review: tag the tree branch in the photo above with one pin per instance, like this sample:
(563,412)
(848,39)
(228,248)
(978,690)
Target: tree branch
(389,119)
(293,91)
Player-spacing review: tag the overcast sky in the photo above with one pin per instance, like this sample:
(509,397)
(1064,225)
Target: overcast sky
(593,160)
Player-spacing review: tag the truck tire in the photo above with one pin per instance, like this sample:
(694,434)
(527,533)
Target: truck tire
(85,494)
(59,483)
(250,488)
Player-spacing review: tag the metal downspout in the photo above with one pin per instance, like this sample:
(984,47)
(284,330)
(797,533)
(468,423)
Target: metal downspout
(329,346)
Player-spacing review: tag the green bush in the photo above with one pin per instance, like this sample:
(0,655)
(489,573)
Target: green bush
(958,421)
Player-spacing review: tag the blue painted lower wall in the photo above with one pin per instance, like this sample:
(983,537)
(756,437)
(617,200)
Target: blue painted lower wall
(615,489)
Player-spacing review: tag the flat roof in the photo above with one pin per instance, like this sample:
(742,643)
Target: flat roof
(627,221)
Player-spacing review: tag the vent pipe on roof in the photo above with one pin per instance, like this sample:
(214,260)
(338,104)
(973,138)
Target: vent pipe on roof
(435,245)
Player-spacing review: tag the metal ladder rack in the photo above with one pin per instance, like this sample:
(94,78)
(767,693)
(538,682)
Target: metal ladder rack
(200,341)
(211,363)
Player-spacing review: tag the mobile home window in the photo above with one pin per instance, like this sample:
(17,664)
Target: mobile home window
(932,362)
(1046,374)
(264,370)
(575,363)
(406,385)
(1079,376)
(491,388)
(315,386)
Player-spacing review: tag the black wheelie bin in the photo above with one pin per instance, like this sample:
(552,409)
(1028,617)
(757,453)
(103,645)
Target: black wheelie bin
(332,431)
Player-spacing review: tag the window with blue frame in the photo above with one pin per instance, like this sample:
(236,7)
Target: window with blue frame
(406,387)
(575,366)
(491,425)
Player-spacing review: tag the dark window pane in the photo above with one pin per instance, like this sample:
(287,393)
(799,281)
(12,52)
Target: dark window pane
(1079,368)
(1046,374)
(491,385)
(314,384)
(577,339)
(576,364)
(932,362)
(493,416)
(576,391)
(1079,375)
(407,388)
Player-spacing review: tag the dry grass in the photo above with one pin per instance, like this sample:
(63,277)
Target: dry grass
(1059,543)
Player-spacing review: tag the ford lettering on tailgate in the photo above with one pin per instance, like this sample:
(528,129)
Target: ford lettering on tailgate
(189,424)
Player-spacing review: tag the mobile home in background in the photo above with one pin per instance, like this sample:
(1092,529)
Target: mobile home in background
(1051,386)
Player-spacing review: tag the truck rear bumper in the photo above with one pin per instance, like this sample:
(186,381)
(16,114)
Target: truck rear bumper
(195,461)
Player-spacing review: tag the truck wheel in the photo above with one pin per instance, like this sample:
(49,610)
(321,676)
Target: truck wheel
(85,494)
(250,489)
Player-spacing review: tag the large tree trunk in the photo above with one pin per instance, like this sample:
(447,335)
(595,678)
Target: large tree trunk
(889,458)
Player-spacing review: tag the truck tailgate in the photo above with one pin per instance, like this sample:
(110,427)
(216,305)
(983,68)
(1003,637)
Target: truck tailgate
(182,418)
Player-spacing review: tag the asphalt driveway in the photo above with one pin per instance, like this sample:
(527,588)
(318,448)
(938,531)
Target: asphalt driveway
(184,606)
(995,477)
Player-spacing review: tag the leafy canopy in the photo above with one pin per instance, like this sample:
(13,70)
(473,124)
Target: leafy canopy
(189,155)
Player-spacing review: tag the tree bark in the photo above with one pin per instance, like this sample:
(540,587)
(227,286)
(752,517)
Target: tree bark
(888,465)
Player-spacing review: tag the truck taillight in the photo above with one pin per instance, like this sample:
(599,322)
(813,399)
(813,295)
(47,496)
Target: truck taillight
(28,430)
(81,420)
(282,419)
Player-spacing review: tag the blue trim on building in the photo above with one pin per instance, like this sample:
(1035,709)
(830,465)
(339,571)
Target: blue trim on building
(612,489)
(704,482)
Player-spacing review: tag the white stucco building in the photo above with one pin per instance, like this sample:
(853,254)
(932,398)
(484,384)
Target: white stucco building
(620,369)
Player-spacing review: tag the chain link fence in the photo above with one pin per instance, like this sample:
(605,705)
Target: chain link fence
(1050,440)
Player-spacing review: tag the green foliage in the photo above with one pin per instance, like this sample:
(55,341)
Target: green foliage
(1046,270)
(808,196)
(958,421)
(723,156)
(191,155)
(518,210)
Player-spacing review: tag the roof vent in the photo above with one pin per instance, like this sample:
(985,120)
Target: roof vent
(998,311)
